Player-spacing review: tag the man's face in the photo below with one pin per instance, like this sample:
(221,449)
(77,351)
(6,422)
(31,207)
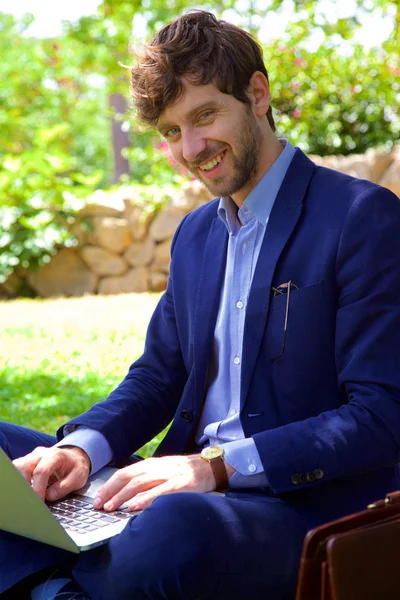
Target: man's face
(216,137)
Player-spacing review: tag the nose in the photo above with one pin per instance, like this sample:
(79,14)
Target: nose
(192,144)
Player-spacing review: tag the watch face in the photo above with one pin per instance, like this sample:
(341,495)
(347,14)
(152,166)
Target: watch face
(213,452)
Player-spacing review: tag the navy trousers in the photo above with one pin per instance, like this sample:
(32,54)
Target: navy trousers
(185,546)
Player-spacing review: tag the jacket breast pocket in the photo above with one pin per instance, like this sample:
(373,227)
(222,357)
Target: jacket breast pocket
(303,329)
(301,295)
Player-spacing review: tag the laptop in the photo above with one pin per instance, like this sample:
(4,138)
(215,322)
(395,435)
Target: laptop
(71,523)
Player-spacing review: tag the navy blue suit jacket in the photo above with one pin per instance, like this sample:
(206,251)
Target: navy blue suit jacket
(325,416)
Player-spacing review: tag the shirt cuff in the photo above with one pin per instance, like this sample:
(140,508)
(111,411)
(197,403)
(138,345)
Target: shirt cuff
(243,456)
(92,442)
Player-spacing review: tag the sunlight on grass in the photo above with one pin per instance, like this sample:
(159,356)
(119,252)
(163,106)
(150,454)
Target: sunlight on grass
(58,357)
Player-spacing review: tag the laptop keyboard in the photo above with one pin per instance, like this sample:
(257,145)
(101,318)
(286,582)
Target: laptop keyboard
(79,515)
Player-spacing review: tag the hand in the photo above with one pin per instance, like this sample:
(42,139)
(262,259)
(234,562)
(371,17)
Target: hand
(155,477)
(55,472)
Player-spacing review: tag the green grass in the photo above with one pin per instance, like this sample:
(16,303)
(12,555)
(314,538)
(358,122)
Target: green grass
(58,357)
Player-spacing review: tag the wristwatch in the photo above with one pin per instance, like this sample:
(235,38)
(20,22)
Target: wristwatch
(214,455)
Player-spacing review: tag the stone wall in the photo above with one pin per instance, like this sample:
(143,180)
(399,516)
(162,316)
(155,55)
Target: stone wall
(124,247)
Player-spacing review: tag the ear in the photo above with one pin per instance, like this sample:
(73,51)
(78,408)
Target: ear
(258,91)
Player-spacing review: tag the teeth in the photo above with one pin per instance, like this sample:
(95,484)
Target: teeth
(212,163)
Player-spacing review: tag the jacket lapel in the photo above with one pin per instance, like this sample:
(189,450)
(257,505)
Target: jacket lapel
(283,219)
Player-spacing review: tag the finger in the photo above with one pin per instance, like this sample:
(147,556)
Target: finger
(62,486)
(25,467)
(113,486)
(45,468)
(27,464)
(128,492)
(144,500)
(53,478)
(123,486)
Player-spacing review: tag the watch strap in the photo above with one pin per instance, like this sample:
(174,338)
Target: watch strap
(220,474)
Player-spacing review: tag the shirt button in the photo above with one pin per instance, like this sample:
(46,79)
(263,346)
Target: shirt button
(232,412)
(236,360)
(252,468)
(239,304)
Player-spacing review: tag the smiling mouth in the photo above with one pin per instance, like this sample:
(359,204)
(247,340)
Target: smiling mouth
(211,164)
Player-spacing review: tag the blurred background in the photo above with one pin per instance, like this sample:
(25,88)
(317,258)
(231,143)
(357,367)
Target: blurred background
(67,127)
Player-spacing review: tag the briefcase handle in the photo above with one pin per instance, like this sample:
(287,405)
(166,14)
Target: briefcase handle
(391,498)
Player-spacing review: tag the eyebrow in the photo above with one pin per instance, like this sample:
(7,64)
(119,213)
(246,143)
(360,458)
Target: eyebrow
(164,127)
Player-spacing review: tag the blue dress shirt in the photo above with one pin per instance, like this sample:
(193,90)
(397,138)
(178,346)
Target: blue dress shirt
(220,422)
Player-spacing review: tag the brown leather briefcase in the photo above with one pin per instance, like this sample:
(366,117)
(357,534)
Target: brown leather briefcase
(356,557)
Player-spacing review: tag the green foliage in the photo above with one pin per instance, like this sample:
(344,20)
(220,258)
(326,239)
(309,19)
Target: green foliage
(36,200)
(339,98)
(41,87)
(39,96)
(329,103)
(55,134)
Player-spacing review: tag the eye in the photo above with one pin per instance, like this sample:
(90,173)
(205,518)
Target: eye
(173,132)
(205,115)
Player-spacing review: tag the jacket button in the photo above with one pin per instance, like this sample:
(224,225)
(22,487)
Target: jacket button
(319,473)
(311,476)
(187,416)
(295,479)
(303,478)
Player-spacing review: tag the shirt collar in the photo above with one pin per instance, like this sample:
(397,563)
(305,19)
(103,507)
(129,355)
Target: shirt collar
(260,201)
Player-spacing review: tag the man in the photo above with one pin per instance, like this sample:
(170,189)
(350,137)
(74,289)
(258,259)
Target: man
(275,344)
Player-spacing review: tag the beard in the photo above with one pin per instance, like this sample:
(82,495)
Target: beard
(245,160)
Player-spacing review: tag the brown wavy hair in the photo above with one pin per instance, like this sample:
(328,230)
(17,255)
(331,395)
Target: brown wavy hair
(202,49)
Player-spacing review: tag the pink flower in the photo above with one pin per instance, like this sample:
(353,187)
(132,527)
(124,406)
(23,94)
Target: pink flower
(297,113)
(162,146)
(295,84)
(300,62)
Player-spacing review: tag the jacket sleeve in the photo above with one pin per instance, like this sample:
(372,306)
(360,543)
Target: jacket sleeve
(145,402)
(364,433)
